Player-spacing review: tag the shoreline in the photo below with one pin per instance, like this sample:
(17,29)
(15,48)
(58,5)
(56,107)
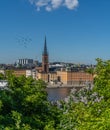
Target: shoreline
(65,86)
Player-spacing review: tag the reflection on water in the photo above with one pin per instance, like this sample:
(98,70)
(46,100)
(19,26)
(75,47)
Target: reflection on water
(57,93)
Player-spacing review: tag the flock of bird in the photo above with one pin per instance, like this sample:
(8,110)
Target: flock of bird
(23,41)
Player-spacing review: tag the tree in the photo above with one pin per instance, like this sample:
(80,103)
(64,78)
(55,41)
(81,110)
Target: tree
(2,76)
(24,106)
(89,108)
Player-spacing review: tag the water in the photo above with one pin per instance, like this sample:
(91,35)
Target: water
(55,94)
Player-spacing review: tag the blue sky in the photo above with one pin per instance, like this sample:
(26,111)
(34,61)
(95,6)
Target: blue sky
(77,30)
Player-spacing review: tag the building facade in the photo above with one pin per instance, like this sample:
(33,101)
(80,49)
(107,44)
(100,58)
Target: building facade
(74,78)
(24,61)
(66,76)
(63,76)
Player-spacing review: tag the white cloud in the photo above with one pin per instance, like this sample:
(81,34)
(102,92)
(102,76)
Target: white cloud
(50,5)
(48,8)
(56,3)
(71,4)
(41,3)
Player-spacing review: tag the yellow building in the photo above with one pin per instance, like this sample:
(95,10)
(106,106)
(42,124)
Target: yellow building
(68,77)
(53,76)
(43,76)
(62,76)
(19,72)
(47,77)
(65,76)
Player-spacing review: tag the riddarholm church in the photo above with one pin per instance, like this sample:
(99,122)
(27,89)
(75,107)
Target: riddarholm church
(63,76)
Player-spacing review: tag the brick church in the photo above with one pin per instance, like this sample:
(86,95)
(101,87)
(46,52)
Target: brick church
(63,76)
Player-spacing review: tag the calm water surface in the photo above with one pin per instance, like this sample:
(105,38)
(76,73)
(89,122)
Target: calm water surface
(57,93)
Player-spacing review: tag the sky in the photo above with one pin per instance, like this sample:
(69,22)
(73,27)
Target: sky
(77,31)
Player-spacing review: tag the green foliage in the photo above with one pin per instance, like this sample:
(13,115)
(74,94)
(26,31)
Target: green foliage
(89,109)
(102,80)
(24,106)
(90,70)
(2,76)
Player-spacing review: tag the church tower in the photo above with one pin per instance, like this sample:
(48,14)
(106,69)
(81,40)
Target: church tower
(45,61)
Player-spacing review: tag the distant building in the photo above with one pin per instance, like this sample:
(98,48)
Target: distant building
(66,75)
(19,72)
(25,61)
(74,78)
(31,73)
(56,73)
(25,72)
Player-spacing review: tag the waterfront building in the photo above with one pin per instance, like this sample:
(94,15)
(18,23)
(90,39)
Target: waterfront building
(65,76)
(74,78)
(43,76)
(59,74)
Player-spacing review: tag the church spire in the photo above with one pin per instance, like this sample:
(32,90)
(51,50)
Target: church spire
(45,52)
(45,64)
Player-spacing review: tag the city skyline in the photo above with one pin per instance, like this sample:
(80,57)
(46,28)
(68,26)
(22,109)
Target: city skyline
(76,31)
